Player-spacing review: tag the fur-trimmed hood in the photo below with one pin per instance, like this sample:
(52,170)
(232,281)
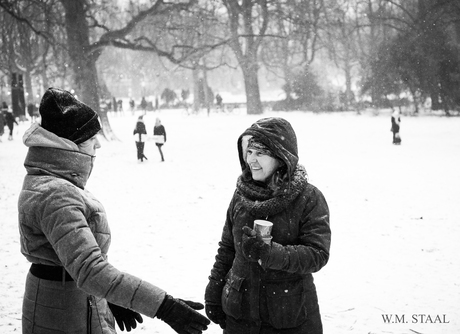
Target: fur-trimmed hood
(278,135)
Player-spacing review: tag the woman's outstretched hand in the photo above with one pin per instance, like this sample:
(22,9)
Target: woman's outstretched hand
(125,318)
(182,316)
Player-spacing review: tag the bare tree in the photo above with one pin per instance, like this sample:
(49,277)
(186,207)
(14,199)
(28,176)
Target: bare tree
(91,27)
(292,43)
(248,22)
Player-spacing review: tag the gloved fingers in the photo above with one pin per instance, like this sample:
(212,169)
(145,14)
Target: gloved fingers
(249,231)
(130,324)
(247,238)
(194,305)
(190,330)
(132,320)
(200,319)
(120,324)
(250,241)
(128,327)
(197,327)
(138,317)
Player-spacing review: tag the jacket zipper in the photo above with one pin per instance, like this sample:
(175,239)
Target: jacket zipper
(89,315)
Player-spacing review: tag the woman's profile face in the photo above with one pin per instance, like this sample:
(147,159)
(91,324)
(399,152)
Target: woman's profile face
(89,146)
(262,165)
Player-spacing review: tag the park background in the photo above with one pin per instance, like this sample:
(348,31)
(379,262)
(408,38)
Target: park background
(342,64)
(394,212)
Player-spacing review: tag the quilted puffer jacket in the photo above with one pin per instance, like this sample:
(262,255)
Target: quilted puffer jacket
(63,224)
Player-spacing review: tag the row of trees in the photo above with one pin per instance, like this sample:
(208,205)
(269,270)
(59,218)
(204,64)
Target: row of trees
(385,47)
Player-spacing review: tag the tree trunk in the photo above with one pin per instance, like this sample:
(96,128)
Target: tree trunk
(348,91)
(28,87)
(83,63)
(414,97)
(207,98)
(246,49)
(251,85)
(196,89)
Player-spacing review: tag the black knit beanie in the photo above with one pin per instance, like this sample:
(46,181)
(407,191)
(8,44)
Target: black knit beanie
(67,117)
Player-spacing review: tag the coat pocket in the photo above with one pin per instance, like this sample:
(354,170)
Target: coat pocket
(286,303)
(232,296)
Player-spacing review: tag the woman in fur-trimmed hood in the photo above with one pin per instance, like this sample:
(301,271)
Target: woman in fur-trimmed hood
(260,286)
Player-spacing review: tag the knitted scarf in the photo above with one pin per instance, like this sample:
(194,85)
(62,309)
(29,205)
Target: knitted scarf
(260,201)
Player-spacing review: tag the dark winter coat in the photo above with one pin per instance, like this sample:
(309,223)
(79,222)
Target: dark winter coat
(140,130)
(10,120)
(159,131)
(2,123)
(279,291)
(395,121)
(63,224)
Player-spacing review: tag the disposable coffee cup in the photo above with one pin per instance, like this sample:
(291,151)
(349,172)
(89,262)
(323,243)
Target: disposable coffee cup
(264,227)
(267,239)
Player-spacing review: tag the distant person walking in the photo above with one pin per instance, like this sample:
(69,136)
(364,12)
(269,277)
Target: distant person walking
(395,127)
(159,133)
(219,101)
(2,125)
(114,104)
(120,106)
(131,106)
(10,121)
(143,105)
(31,111)
(139,134)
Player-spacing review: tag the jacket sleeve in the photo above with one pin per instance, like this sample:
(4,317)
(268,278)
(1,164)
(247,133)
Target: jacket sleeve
(70,236)
(225,254)
(312,252)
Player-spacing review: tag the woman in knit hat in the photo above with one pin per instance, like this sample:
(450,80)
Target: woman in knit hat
(71,287)
(265,285)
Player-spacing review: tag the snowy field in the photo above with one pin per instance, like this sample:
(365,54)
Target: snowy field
(395,214)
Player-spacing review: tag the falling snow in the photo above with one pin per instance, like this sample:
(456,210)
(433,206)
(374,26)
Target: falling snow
(394,213)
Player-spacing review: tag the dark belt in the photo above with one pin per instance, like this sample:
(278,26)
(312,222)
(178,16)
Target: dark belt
(50,273)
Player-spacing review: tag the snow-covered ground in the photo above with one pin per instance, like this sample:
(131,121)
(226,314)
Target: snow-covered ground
(395,213)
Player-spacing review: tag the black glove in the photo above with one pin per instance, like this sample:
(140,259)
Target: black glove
(181,315)
(254,247)
(216,314)
(212,296)
(125,317)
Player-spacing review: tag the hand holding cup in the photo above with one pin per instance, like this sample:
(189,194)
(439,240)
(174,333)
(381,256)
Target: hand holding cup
(264,227)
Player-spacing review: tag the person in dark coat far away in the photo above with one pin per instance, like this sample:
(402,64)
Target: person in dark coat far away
(395,127)
(159,132)
(10,121)
(2,125)
(139,136)
(71,286)
(265,285)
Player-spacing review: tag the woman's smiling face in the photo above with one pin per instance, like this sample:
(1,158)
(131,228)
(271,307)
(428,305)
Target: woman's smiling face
(262,165)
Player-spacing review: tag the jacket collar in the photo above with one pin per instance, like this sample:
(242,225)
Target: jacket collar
(52,155)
